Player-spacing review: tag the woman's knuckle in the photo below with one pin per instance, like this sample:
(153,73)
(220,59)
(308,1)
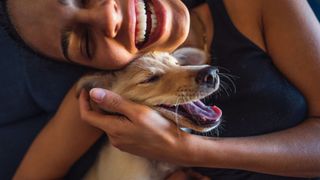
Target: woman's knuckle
(112,132)
(115,133)
(115,102)
(122,118)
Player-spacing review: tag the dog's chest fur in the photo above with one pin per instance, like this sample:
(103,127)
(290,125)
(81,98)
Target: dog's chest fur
(113,164)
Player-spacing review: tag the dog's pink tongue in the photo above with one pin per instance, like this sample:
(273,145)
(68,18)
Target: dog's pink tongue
(201,113)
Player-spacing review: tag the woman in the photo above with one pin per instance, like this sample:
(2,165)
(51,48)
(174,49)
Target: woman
(272,127)
(39,85)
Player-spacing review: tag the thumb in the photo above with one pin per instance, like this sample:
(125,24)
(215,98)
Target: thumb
(112,102)
(97,119)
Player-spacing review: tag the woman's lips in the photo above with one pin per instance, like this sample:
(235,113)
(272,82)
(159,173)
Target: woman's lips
(154,14)
(132,21)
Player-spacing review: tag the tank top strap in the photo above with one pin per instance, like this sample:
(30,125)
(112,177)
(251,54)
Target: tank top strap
(222,21)
(227,38)
(193,3)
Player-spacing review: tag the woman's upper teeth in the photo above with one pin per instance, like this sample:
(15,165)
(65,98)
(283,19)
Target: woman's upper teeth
(142,19)
(154,21)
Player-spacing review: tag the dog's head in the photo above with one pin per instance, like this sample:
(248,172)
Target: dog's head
(159,80)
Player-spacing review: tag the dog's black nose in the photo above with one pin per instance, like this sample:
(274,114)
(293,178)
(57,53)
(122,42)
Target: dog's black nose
(208,76)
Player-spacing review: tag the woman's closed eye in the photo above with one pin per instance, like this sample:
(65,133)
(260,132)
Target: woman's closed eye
(81,3)
(84,2)
(86,44)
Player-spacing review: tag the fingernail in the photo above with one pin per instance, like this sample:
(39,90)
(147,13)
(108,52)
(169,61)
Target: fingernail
(97,94)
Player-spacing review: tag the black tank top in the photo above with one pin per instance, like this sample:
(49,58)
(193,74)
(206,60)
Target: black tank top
(259,99)
(263,100)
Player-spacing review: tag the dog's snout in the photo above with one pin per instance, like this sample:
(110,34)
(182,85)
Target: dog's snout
(208,76)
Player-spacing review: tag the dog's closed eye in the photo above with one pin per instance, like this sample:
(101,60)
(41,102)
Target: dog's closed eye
(151,79)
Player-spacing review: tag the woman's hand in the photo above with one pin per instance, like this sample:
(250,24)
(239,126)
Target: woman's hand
(141,130)
(144,132)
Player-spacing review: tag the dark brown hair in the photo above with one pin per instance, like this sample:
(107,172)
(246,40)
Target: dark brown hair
(8,26)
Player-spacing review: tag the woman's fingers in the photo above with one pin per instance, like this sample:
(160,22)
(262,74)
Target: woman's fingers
(113,102)
(97,119)
(139,124)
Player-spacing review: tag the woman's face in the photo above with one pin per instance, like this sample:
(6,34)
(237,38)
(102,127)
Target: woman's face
(105,34)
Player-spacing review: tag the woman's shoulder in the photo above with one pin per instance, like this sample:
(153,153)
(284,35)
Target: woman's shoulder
(247,18)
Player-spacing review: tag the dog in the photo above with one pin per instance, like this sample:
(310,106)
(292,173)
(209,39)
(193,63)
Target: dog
(168,84)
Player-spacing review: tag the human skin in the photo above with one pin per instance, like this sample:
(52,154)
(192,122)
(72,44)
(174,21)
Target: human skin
(290,37)
(110,24)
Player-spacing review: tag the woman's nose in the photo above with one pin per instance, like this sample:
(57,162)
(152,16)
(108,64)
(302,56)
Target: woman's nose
(113,18)
(106,17)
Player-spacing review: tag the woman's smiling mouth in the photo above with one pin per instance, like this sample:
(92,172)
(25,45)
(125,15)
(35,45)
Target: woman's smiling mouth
(149,21)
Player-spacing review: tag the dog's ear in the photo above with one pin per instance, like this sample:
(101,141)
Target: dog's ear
(190,56)
(91,81)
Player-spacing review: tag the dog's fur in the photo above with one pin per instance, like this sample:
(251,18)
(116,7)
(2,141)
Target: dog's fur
(153,79)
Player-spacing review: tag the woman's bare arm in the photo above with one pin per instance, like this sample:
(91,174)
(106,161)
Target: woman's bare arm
(63,140)
(292,39)
(293,152)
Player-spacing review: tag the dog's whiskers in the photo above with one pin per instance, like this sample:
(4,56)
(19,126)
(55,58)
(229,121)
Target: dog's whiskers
(176,116)
(224,88)
(230,78)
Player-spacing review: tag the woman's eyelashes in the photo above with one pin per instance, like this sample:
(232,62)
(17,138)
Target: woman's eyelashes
(84,3)
(80,3)
(86,48)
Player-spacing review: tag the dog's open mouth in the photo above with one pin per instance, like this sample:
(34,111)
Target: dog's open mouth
(201,116)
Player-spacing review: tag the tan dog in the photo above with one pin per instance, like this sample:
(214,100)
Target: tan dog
(160,81)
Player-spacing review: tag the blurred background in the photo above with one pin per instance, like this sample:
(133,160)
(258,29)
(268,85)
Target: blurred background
(315,4)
